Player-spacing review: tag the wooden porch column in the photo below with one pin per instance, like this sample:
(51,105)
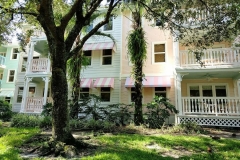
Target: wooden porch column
(179,93)
(30,56)
(176,52)
(46,80)
(25,93)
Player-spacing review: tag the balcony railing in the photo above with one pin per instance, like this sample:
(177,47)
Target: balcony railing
(35,104)
(40,65)
(221,56)
(2,60)
(217,106)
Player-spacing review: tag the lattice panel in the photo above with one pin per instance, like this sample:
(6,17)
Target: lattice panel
(211,121)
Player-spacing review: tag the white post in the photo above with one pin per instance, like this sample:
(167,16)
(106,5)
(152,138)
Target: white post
(238,87)
(49,63)
(179,93)
(46,80)
(25,93)
(176,52)
(30,56)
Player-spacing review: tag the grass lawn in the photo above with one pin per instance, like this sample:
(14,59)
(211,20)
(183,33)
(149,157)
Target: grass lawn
(124,146)
(10,138)
(145,147)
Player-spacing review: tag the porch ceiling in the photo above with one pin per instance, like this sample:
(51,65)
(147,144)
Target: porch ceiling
(213,73)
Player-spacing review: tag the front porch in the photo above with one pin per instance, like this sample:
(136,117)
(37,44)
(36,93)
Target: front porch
(210,111)
(35,104)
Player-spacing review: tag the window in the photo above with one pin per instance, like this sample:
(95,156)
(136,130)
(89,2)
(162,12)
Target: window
(31,92)
(84,93)
(19,94)
(133,94)
(7,99)
(159,53)
(105,94)
(88,55)
(24,65)
(107,57)
(11,75)
(15,53)
(3,54)
(157,22)
(89,27)
(1,76)
(109,25)
(161,91)
(210,90)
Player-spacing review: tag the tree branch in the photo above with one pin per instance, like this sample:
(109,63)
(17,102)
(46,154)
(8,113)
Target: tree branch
(70,14)
(112,5)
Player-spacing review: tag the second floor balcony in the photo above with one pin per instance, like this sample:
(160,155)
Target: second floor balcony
(39,65)
(211,57)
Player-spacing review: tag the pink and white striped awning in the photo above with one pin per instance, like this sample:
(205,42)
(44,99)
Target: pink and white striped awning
(86,83)
(163,81)
(104,82)
(99,46)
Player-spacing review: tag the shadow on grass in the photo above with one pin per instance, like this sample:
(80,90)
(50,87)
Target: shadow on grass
(125,146)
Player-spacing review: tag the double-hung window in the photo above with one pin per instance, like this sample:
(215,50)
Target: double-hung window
(133,94)
(109,25)
(15,53)
(11,75)
(19,94)
(7,99)
(107,57)
(88,55)
(24,64)
(159,53)
(161,91)
(84,93)
(105,94)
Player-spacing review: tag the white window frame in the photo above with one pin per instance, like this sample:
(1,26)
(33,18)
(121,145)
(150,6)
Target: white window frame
(13,53)
(112,19)
(207,84)
(25,65)
(131,92)
(84,92)
(107,56)
(7,99)
(153,53)
(14,76)
(154,92)
(105,92)
(19,94)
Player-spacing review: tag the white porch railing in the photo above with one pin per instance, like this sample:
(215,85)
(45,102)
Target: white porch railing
(2,60)
(35,104)
(224,106)
(221,56)
(40,65)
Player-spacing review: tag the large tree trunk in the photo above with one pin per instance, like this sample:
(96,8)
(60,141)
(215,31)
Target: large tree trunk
(61,131)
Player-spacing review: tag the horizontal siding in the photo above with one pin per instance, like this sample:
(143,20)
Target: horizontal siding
(97,69)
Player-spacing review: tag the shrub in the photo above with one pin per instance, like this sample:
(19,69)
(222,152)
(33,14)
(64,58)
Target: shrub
(5,111)
(119,114)
(25,120)
(47,110)
(158,111)
(191,127)
(76,124)
(46,122)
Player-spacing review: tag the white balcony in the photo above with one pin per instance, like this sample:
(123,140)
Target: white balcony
(40,65)
(211,57)
(35,104)
(213,106)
